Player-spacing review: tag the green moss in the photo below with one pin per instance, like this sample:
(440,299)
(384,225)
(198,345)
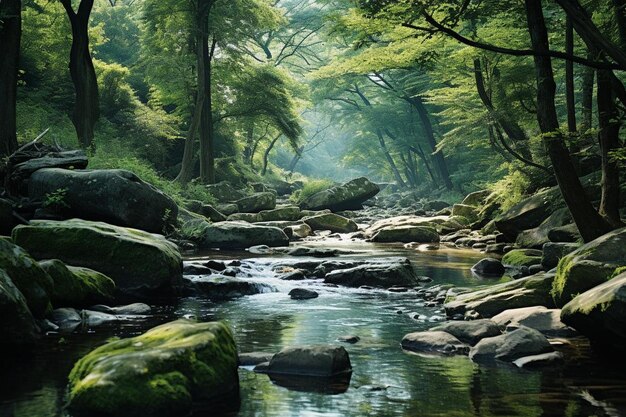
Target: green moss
(32,281)
(576,276)
(521,257)
(310,188)
(162,372)
(78,287)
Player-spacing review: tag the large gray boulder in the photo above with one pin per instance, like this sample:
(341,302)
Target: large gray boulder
(592,264)
(220,287)
(385,273)
(527,214)
(537,237)
(349,196)
(487,302)
(330,221)
(547,321)
(257,202)
(554,252)
(113,196)
(139,262)
(240,235)
(511,346)
(600,313)
(406,234)
(312,360)
(17,324)
(167,371)
(470,332)
(434,342)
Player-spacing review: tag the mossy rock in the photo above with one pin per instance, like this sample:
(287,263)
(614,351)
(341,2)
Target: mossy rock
(78,287)
(592,264)
(522,257)
(333,222)
(32,281)
(240,235)
(16,321)
(349,196)
(244,217)
(407,234)
(467,211)
(139,262)
(163,372)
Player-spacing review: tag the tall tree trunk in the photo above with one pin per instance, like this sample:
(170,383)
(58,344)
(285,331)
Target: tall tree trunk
(87,105)
(438,158)
(247,150)
(204,58)
(608,136)
(587,99)
(10,37)
(510,127)
(294,161)
(589,222)
(569,77)
(390,161)
(266,154)
(186,169)
(619,7)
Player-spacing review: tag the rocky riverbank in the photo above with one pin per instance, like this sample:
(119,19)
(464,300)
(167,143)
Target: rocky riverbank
(90,248)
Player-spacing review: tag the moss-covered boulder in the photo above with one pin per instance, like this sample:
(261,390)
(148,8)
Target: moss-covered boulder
(537,237)
(477,198)
(333,222)
(139,262)
(592,264)
(492,300)
(17,324)
(407,234)
(522,257)
(78,287)
(7,220)
(349,196)
(114,196)
(32,281)
(257,202)
(240,235)
(600,313)
(467,211)
(163,372)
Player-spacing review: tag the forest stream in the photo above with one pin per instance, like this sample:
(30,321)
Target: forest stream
(386,381)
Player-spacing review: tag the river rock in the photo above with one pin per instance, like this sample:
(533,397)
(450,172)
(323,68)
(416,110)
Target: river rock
(470,332)
(592,264)
(386,273)
(303,294)
(434,342)
(254,358)
(241,235)
(164,372)
(525,292)
(406,234)
(333,222)
(522,257)
(244,217)
(537,237)
(225,192)
(568,233)
(554,252)
(527,214)
(539,361)
(76,286)
(138,262)
(135,309)
(205,210)
(435,205)
(547,321)
(220,287)
(32,281)
(21,172)
(349,196)
(466,211)
(114,196)
(301,230)
(511,346)
(16,321)
(311,360)
(600,313)
(289,213)
(257,202)
(489,267)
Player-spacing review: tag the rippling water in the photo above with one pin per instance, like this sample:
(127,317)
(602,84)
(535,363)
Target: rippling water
(385,382)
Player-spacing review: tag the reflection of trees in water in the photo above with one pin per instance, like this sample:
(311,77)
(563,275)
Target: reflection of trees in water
(260,333)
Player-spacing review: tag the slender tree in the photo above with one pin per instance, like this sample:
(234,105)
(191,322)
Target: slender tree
(83,73)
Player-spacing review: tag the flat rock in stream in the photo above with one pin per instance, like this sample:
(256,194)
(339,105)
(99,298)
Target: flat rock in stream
(434,342)
(383,273)
(311,360)
(241,235)
(221,287)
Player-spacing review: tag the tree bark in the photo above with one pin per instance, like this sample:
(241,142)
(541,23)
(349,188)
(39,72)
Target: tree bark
(266,154)
(608,135)
(10,38)
(569,77)
(586,122)
(186,169)
(83,74)
(204,58)
(390,161)
(437,155)
(589,222)
(619,7)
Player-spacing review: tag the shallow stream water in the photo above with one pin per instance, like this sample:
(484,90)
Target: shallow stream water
(386,381)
